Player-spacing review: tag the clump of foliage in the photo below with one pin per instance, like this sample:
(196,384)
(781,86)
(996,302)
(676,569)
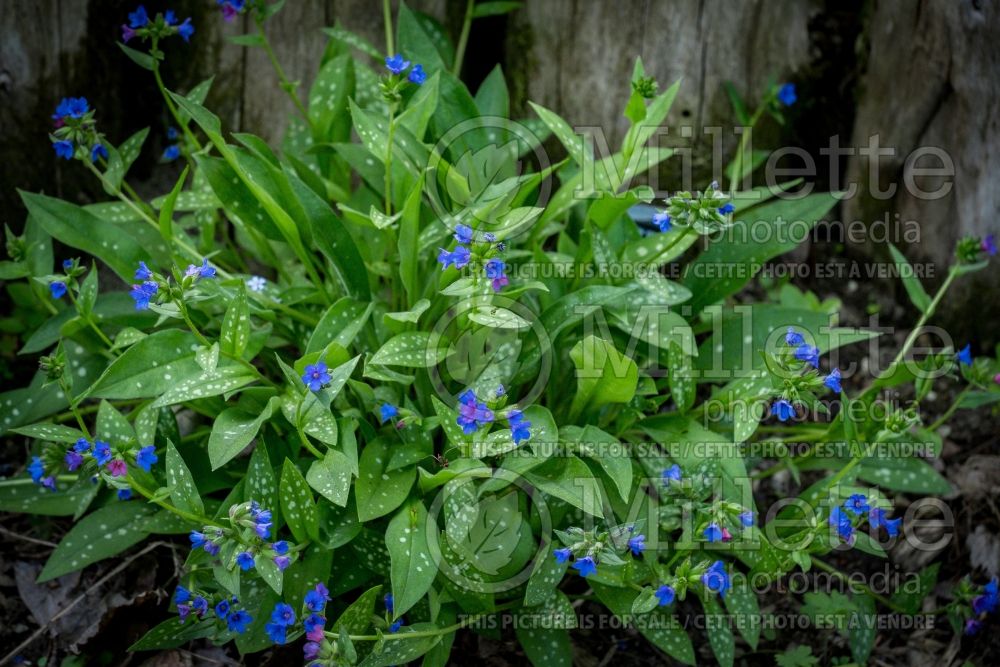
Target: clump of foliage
(405,374)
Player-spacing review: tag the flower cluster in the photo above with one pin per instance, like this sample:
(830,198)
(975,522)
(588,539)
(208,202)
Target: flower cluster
(283,619)
(247,540)
(173,151)
(397,65)
(142,292)
(75,133)
(163,25)
(704,212)
(845,517)
(796,365)
(987,602)
(484,249)
(473,414)
(68,281)
(191,602)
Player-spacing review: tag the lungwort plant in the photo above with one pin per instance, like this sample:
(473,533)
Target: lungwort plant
(406,375)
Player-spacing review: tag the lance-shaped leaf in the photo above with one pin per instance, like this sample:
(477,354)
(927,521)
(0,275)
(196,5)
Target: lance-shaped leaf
(412,569)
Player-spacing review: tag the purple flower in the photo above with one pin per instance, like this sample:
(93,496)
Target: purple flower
(472,414)
(58,289)
(783,409)
(964,355)
(143,272)
(316,376)
(672,474)
(127,33)
(562,555)
(222,609)
(98,150)
(142,293)
(73,460)
(263,529)
(842,522)
(519,427)
(585,566)
(857,504)
(637,545)
(786,94)
(972,626)
(386,412)
(793,337)
(716,579)
(832,381)
(212,549)
(146,457)
(231,8)
(313,625)
(182,612)
(989,245)
(138,18)
(713,533)
(808,354)
(310,650)
(727,208)
(49,482)
(117,468)
(238,621)
(171,152)
(459,258)
(245,560)
(396,64)
(417,74)
(495,272)
(662,220)
(746,519)
(282,562)
(665,595)
(102,452)
(185,30)
(877,518)
(203,271)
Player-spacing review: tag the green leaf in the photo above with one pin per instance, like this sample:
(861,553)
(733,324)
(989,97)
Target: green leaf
(411,349)
(166,217)
(357,618)
(331,477)
(112,426)
(914,288)
(799,656)
(611,455)
(141,59)
(261,483)
(414,41)
(78,228)
(409,247)
(172,633)
(34,499)
(183,491)
(399,649)
(604,375)
(50,432)
(544,633)
(233,430)
(297,505)
(660,628)
(380,491)
(103,533)
(88,293)
(546,574)
(236,325)
(494,8)
(412,568)
(912,475)
(150,367)
(862,629)
(339,324)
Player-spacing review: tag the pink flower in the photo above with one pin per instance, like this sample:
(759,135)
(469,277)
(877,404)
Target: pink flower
(117,468)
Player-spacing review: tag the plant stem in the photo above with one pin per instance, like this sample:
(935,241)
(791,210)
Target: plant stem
(954,406)
(926,315)
(388,161)
(289,87)
(170,103)
(72,406)
(387,19)
(190,323)
(463,39)
(89,319)
(741,150)
(429,633)
(184,514)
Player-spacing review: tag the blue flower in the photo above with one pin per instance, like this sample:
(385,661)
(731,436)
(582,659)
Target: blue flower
(989,245)
(972,626)
(472,413)
(64,149)
(282,562)
(222,609)
(36,469)
(230,8)
(842,522)
(672,474)
(102,452)
(315,599)
(67,264)
(276,632)
(198,539)
(463,234)
(204,271)
(71,107)
(727,208)
(181,595)
(793,337)
(746,519)
(417,74)
(172,152)
(73,460)
(716,579)
(519,427)
(238,621)
(82,446)
(396,64)
(396,625)
(146,457)
(877,518)
(169,17)
(832,381)
(808,354)
(989,601)
(964,355)
(280,547)
(389,603)
(495,272)
(713,533)
(662,220)
(283,614)
(459,257)
(637,545)
(585,566)
(143,272)
(199,605)
(142,293)
(211,548)
(562,555)
(786,94)
(172,133)
(262,528)
(245,561)
(98,150)
(125,494)
(185,30)
(857,504)
(58,289)
(316,376)
(783,409)
(138,18)
(314,621)
(386,412)
(665,595)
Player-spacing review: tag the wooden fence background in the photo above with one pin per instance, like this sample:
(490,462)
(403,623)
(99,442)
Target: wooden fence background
(914,72)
